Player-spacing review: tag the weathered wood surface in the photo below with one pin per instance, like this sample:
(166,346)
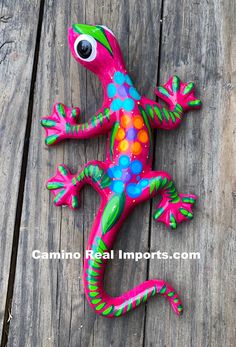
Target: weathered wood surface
(18,27)
(49,308)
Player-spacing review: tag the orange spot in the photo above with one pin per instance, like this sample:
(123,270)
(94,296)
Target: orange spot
(125,121)
(138,122)
(120,134)
(123,146)
(136,148)
(143,136)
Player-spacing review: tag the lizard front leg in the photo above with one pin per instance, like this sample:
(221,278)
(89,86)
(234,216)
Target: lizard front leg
(63,124)
(66,187)
(178,95)
(174,208)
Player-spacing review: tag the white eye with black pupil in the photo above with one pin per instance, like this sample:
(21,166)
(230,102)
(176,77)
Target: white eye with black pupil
(85,47)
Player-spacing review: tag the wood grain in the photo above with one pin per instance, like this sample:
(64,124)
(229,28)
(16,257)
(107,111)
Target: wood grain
(49,300)
(198,43)
(18,28)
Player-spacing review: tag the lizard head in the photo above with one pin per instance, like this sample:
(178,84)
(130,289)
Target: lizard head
(96,48)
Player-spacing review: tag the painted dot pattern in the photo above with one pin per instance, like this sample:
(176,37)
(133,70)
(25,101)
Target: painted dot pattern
(123,173)
(122,92)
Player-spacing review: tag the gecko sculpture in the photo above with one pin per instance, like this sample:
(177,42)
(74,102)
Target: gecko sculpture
(125,178)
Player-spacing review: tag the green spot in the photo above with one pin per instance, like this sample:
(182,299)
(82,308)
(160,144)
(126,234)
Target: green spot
(74,113)
(163,91)
(92,272)
(138,301)
(107,113)
(101,244)
(172,116)
(108,311)
(188,88)
(95,301)
(150,111)
(119,312)
(51,139)
(93,294)
(171,294)
(186,213)
(173,223)
(59,195)
(55,185)
(175,84)
(91,287)
(189,200)
(100,118)
(93,264)
(163,289)
(62,170)
(180,308)
(154,291)
(163,183)
(176,300)
(158,213)
(105,182)
(129,307)
(75,202)
(61,110)
(93,121)
(112,211)
(195,103)
(145,296)
(158,113)
(152,185)
(48,123)
(92,280)
(177,115)
(166,114)
(100,306)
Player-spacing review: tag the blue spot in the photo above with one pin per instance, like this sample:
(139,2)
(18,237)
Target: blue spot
(136,167)
(128,104)
(116,105)
(111,90)
(144,183)
(123,91)
(133,92)
(117,186)
(124,161)
(128,80)
(138,178)
(114,172)
(119,77)
(131,134)
(133,190)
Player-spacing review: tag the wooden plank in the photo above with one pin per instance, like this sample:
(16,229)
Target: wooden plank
(199,44)
(18,28)
(49,301)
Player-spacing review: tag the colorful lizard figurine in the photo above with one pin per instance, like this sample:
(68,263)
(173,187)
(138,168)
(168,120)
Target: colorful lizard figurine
(125,178)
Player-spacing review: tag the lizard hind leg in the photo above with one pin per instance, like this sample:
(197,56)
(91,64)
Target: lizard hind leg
(173,208)
(65,186)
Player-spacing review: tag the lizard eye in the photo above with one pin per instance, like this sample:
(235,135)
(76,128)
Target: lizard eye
(85,47)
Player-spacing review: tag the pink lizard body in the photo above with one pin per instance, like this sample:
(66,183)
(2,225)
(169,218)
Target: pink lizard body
(125,178)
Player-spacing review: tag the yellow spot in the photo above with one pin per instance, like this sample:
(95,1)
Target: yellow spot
(143,136)
(120,134)
(138,122)
(123,146)
(125,121)
(136,148)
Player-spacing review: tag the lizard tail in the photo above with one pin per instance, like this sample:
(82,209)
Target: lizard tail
(94,268)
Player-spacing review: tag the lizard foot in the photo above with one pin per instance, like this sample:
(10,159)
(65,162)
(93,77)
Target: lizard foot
(178,95)
(173,213)
(63,187)
(60,123)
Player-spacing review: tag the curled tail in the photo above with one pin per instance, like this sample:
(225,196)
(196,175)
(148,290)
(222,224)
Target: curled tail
(94,269)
